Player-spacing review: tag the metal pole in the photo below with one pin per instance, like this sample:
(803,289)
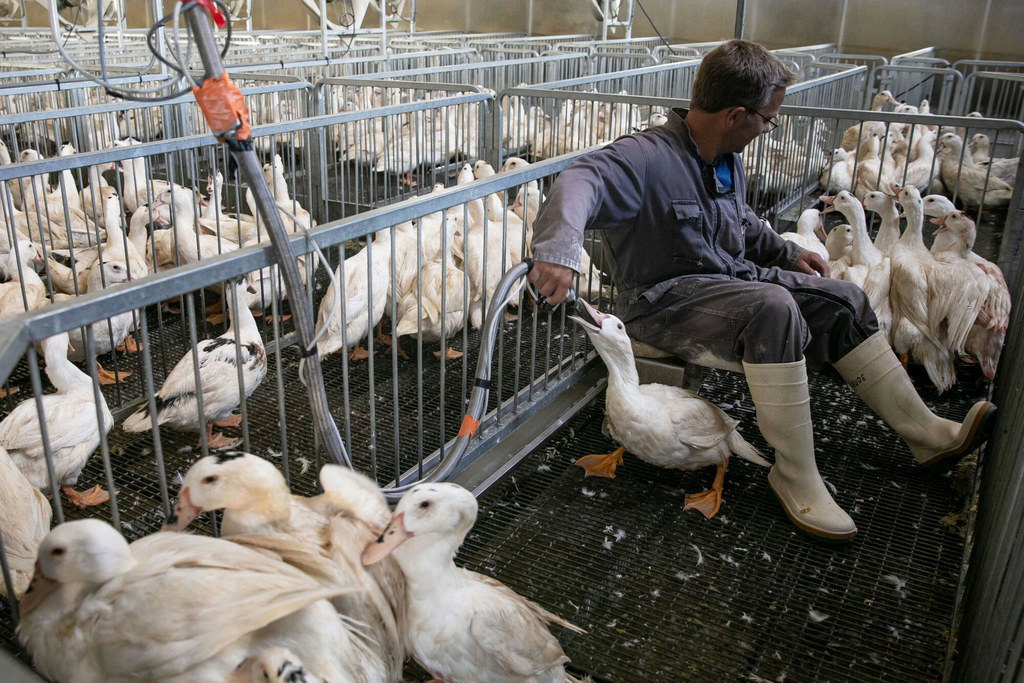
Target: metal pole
(252,172)
(323,27)
(741,10)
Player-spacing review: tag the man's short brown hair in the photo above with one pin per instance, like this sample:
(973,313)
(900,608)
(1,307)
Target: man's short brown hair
(738,73)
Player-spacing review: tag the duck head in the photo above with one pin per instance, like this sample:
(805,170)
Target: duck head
(608,335)
(440,514)
(83,551)
(936,205)
(839,241)
(242,483)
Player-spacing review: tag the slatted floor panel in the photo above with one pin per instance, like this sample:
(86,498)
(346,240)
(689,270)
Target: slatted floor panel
(666,595)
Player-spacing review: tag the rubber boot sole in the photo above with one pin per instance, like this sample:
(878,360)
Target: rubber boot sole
(977,434)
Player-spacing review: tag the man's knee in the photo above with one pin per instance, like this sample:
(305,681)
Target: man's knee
(775,306)
(777,331)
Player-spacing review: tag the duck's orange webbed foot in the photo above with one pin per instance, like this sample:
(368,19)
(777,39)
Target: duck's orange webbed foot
(94,496)
(449,354)
(232,420)
(358,353)
(598,465)
(217,441)
(708,502)
(129,345)
(107,377)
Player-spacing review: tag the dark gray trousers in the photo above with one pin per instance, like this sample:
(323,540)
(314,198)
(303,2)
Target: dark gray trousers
(781,318)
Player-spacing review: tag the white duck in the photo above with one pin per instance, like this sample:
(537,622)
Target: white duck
(837,173)
(176,401)
(116,248)
(876,267)
(68,187)
(997,306)
(911,267)
(972,184)
(240,228)
(984,342)
(663,425)
(440,282)
(514,164)
(463,626)
(26,290)
(979,146)
(839,243)
(256,500)
(273,173)
(24,521)
(855,135)
(110,333)
(367,277)
(957,290)
(873,171)
(170,607)
(191,246)
(885,206)
(922,170)
(50,221)
(495,206)
(72,429)
(806,233)
(484,261)
(138,187)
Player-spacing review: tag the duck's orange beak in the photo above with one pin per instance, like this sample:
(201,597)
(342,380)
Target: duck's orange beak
(597,316)
(38,590)
(394,535)
(183,514)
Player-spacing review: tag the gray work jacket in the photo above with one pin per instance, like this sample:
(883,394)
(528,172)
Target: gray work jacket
(664,215)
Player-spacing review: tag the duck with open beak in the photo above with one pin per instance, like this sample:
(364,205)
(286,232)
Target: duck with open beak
(661,424)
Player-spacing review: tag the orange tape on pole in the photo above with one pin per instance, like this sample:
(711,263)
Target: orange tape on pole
(224,107)
(215,14)
(469,426)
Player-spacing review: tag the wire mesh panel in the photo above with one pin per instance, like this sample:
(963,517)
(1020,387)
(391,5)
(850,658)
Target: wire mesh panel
(539,124)
(914,83)
(807,155)
(679,50)
(870,61)
(399,139)
(499,75)
(993,94)
(607,61)
(496,49)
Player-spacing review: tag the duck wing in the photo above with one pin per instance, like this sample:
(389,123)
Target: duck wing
(512,632)
(696,423)
(188,601)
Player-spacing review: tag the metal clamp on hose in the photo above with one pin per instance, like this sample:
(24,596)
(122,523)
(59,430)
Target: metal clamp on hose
(570,302)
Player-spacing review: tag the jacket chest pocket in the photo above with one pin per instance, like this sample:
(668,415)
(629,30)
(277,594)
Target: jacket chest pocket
(690,241)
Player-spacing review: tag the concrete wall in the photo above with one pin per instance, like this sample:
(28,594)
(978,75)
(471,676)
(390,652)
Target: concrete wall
(985,29)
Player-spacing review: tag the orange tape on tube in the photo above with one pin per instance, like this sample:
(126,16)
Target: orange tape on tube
(224,107)
(215,14)
(469,426)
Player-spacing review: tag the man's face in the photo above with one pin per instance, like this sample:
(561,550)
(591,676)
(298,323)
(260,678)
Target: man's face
(748,125)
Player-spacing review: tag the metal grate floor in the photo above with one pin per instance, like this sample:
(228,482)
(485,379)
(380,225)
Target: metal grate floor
(666,595)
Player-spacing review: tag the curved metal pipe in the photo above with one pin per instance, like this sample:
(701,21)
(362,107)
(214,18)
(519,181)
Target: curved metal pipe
(481,380)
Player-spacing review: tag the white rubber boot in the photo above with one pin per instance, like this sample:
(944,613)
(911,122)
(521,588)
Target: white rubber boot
(875,373)
(783,408)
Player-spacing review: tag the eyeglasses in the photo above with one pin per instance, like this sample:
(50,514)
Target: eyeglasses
(772,122)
